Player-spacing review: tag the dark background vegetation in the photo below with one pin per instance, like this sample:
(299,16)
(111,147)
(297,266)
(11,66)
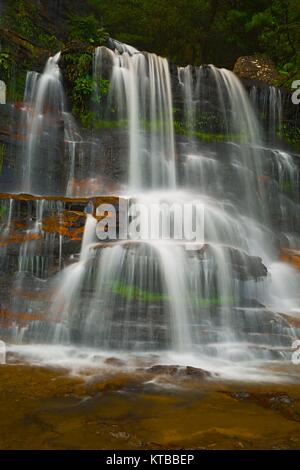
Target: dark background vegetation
(186,31)
(201,31)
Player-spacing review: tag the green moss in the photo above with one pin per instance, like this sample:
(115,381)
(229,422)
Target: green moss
(207,136)
(92,120)
(214,301)
(286,187)
(102,124)
(131,292)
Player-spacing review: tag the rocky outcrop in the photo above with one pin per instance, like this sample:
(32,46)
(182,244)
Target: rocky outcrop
(256,68)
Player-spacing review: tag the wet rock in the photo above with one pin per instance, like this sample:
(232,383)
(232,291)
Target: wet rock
(241,395)
(282,400)
(179,371)
(120,435)
(164,370)
(292,321)
(197,373)
(250,303)
(244,266)
(114,362)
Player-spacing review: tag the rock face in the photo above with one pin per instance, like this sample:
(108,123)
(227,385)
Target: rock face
(50,170)
(10,144)
(24,50)
(256,68)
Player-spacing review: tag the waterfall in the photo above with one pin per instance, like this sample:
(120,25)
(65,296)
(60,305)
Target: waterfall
(269,101)
(185,77)
(46,125)
(227,297)
(45,101)
(73,140)
(140,89)
(237,122)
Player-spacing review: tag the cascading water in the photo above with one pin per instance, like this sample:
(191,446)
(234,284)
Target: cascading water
(269,102)
(140,89)
(73,140)
(46,126)
(45,98)
(219,299)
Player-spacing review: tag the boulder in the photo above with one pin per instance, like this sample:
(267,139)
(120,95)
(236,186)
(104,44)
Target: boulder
(256,68)
(179,371)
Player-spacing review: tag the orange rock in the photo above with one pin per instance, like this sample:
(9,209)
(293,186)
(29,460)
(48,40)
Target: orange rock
(290,256)
(65,224)
(19,238)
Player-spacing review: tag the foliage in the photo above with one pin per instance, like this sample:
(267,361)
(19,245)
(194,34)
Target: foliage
(82,90)
(5,65)
(77,67)
(290,133)
(77,64)
(85,91)
(49,42)
(186,31)
(87,29)
(100,89)
(22,15)
(4,60)
(201,31)
(278,33)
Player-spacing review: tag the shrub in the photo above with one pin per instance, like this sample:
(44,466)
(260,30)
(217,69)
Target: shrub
(87,29)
